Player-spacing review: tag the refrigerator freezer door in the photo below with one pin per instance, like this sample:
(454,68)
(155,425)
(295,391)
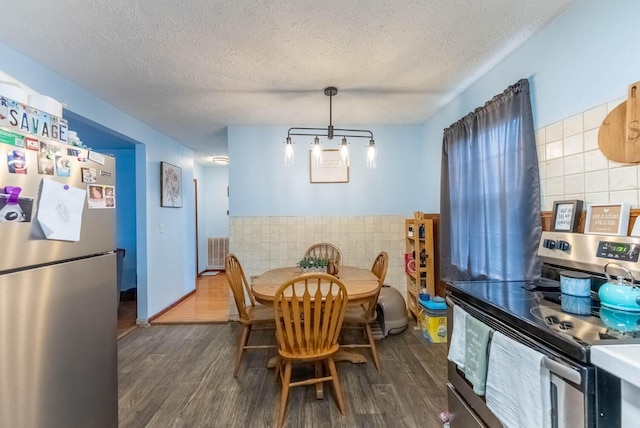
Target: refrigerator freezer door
(58,345)
(24,243)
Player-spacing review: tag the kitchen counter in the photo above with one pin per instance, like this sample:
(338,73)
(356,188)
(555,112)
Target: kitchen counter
(623,361)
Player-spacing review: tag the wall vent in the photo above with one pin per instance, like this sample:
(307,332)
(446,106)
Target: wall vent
(218,250)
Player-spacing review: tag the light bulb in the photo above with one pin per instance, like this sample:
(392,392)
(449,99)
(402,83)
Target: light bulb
(317,151)
(344,152)
(371,155)
(288,152)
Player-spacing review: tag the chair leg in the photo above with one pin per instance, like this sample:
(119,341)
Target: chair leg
(335,382)
(284,396)
(244,338)
(278,368)
(372,343)
(319,386)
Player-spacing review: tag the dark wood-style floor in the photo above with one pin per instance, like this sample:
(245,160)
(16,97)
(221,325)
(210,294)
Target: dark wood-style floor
(182,376)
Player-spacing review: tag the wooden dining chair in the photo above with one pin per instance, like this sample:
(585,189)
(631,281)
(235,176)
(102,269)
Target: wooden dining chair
(309,310)
(248,314)
(325,251)
(363,316)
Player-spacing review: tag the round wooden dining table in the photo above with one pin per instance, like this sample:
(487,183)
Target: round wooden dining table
(360,283)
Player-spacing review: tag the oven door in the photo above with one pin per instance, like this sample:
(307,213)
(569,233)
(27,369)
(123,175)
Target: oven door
(571,386)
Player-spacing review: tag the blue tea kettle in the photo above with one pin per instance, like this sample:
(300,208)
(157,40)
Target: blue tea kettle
(621,293)
(620,321)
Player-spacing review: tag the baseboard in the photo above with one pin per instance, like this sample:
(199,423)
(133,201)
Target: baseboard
(151,319)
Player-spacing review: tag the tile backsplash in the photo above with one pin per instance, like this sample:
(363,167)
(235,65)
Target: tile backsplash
(573,167)
(263,243)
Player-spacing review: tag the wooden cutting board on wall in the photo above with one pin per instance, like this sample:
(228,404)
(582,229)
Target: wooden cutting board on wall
(619,134)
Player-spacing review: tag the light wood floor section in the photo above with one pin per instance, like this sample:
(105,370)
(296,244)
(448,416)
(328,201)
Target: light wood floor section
(182,376)
(209,304)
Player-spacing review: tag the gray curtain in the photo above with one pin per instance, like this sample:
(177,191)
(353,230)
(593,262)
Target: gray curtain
(490,196)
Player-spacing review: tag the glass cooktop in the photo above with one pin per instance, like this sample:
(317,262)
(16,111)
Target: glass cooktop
(568,323)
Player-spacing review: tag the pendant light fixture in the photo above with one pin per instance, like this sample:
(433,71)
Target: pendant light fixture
(288,152)
(344,152)
(331,132)
(371,155)
(316,151)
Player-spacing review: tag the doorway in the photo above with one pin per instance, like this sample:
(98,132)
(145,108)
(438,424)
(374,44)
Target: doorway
(109,142)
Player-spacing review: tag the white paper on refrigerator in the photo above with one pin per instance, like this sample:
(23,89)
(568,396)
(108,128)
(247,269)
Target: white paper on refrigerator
(60,210)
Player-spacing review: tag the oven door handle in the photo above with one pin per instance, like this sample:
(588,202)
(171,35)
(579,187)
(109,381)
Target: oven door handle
(555,367)
(561,370)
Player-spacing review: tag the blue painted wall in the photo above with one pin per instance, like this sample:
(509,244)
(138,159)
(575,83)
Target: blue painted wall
(165,236)
(586,57)
(261,185)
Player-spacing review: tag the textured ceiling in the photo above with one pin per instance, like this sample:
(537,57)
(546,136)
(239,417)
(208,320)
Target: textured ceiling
(190,69)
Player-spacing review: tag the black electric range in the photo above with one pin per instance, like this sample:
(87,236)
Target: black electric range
(569,324)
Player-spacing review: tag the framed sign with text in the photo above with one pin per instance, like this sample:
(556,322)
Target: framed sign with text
(565,216)
(607,219)
(331,170)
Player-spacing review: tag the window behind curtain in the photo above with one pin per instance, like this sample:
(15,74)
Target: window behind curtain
(490,198)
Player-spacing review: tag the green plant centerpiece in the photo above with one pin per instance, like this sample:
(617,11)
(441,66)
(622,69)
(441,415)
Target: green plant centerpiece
(313,264)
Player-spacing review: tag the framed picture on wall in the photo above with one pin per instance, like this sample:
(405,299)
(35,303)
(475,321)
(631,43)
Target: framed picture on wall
(607,219)
(331,170)
(565,216)
(170,185)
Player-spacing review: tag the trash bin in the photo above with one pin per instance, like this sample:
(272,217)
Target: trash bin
(120,255)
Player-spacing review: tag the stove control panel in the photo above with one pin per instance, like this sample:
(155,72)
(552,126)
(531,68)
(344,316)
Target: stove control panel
(590,252)
(618,251)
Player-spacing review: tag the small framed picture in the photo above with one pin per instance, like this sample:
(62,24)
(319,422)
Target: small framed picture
(170,185)
(565,216)
(607,219)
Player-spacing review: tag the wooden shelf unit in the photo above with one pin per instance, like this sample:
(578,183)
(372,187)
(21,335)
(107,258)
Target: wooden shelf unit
(419,246)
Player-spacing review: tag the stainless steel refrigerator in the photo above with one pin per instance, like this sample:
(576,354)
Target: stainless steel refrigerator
(58,298)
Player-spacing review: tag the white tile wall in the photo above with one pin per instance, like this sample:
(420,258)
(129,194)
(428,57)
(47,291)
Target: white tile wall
(263,243)
(573,167)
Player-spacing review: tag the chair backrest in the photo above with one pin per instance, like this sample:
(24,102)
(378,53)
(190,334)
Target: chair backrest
(238,284)
(309,310)
(379,269)
(325,251)
(380,266)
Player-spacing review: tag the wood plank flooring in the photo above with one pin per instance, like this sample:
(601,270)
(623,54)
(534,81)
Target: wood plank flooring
(209,304)
(182,376)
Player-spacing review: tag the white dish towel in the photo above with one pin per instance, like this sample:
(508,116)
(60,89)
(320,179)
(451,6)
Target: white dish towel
(457,341)
(518,388)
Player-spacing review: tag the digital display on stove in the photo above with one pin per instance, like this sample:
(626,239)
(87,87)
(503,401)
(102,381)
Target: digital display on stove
(618,251)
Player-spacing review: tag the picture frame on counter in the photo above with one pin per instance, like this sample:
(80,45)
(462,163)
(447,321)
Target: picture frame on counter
(565,215)
(607,219)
